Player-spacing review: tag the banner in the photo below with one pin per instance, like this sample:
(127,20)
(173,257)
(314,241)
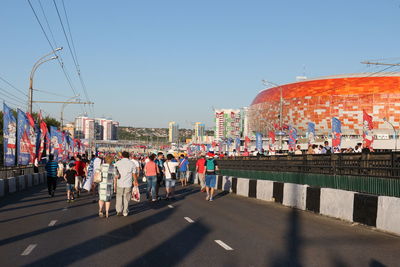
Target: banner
(336,132)
(237,144)
(368,136)
(292,138)
(259,142)
(23,141)
(9,136)
(32,137)
(42,137)
(54,146)
(246,142)
(311,133)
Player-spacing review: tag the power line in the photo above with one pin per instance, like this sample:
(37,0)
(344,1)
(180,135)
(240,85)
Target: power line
(8,83)
(11,96)
(47,22)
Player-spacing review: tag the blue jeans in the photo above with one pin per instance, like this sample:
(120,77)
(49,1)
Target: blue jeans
(151,186)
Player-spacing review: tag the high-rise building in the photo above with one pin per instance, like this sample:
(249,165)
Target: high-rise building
(227,123)
(114,130)
(99,129)
(199,132)
(84,127)
(173,132)
(245,122)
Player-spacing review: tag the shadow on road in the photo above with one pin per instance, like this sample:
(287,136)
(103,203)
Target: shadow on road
(102,242)
(172,251)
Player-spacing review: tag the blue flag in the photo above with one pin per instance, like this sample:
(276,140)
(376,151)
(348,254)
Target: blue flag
(311,132)
(23,141)
(259,141)
(9,136)
(336,132)
(292,137)
(237,143)
(54,146)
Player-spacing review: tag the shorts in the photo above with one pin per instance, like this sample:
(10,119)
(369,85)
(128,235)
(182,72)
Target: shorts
(70,187)
(182,174)
(78,182)
(211,180)
(169,183)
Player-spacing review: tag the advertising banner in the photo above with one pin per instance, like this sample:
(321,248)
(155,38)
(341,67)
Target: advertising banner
(23,141)
(9,136)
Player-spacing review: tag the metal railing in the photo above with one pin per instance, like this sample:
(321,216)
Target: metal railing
(382,165)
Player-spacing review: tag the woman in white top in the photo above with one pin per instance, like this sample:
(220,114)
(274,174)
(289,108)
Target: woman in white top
(170,176)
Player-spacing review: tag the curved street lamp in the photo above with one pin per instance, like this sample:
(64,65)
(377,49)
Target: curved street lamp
(394,131)
(39,62)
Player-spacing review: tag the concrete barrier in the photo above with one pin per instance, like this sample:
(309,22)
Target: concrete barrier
(294,195)
(12,185)
(35,178)
(41,178)
(226,183)
(337,203)
(21,183)
(2,189)
(265,189)
(388,217)
(29,180)
(242,187)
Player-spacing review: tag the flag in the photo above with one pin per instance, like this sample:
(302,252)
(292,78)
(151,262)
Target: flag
(292,138)
(336,132)
(368,136)
(259,145)
(32,136)
(23,141)
(271,135)
(246,141)
(9,136)
(311,132)
(43,136)
(237,143)
(54,146)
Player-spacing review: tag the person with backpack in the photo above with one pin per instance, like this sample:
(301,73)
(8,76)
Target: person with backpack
(326,149)
(105,179)
(211,166)
(69,178)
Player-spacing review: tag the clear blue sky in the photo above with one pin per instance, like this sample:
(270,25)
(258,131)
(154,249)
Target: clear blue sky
(145,63)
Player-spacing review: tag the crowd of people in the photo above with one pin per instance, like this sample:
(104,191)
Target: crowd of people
(109,175)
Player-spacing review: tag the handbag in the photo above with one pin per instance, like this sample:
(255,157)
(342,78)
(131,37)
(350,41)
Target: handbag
(144,179)
(173,174)
(135,194)
(97,177)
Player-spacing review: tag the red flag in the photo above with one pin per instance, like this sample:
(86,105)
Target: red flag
(32,137)
(368,137)
(246,141)
(43,134)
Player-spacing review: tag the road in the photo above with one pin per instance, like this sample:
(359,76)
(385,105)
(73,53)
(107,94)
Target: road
(231,231)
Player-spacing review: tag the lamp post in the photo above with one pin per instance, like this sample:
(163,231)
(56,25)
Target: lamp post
(280,132)
(63,107)
(394,131)
(39,62)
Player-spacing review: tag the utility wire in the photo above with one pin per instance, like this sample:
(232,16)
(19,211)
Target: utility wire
(48,25)
(11,96)
(9,84)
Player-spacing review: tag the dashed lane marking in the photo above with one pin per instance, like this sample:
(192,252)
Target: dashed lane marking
(29,249)
(188,219)
(52,223)
(170,206)
(222,244)
(64,209)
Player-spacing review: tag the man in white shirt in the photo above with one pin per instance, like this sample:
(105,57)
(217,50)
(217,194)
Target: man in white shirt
(126,170)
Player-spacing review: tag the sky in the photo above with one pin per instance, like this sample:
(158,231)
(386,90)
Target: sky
(145,63)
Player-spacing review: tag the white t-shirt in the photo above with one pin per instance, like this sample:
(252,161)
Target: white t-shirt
(125,168)
(172,167)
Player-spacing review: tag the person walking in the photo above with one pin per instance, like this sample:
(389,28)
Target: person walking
(170,176)
(160,176)
(69,178)
(123,182)
(201,172)
(107,171)
(80,168)
(51,169)
(183,168)
(151,171)
(211,166)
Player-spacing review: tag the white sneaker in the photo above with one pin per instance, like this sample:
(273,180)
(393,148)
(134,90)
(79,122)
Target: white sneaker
(208,197)
(125,214)
(211,199)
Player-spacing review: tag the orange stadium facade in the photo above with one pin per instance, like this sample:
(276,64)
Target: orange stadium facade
(318,100)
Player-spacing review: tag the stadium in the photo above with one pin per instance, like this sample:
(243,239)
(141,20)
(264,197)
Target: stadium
(318,100)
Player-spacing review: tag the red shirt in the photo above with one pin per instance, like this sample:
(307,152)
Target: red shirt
(80,168)
(200,165)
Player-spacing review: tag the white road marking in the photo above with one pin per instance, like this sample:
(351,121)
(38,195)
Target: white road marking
(29,249)
(188,219)
(170,206)
(52,223)
(64,209)
(222,244)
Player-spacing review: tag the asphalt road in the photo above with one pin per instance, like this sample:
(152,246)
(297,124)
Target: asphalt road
(40,231)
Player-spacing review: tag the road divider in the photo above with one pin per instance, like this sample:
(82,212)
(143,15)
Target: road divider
(52,223)
(222,244)
(188,219)
(29,249)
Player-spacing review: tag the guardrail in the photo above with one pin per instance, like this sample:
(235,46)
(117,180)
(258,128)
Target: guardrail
(6,172)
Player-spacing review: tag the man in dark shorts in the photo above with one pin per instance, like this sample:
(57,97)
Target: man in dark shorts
(69,178)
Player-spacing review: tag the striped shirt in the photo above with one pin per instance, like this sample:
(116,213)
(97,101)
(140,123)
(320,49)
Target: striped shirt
(51,168)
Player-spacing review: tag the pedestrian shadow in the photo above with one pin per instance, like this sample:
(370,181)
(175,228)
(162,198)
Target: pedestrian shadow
(186,240)
(102,242)
(13,198)
(221,194)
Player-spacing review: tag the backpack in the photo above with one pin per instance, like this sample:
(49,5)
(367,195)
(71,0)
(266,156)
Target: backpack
(328,151)
(210,165)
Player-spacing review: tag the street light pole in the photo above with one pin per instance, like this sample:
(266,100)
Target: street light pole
(395,133)
(39,62)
